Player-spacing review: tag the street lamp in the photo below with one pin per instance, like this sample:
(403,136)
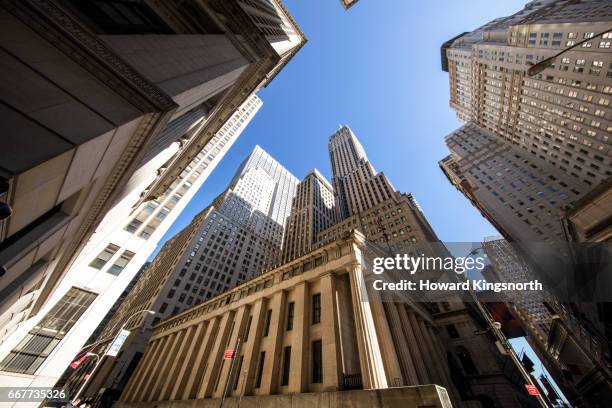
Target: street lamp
(100,359)
(548,62)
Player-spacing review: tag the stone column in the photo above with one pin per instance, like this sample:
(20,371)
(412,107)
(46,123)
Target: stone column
(188,362)
(403,350)
(145,390)
(433,362)
(332,363)
(172,378)
(432,378)
(370,354)
(167,360)
(416,353)
(269,381)
(251,346)
(298,378)
(215,359)
(143,368)
(196,373)
(238,331)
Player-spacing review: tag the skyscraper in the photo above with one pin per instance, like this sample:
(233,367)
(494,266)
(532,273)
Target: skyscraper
(523,196)
(233,240)
(558,118)
(558,121)
(534,91)
(124,240)
(312,211)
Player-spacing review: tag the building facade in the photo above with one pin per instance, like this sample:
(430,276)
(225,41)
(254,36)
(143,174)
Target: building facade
(233,240)
(114,254)
(535,151)
(313,210)
(310,326)
(559,120)
(522,195)
(141,131)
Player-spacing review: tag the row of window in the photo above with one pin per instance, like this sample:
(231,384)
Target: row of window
(107,253)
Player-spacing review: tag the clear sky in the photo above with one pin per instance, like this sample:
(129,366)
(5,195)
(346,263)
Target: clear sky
(375,68)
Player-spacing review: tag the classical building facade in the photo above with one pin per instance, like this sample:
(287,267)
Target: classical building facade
(149,88)
(312,325)
(234,239)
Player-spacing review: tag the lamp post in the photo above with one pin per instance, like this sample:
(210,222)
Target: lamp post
(548,62)
(100,359)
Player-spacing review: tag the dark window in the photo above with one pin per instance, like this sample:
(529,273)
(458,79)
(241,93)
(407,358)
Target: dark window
(267,322)
(466,361)
(122,17)
(104,256)
(452,331)
(163,307)
(316,308)
(290,312)
(36,346)
(286,365)
(260,366)
(317,361)
(248,329)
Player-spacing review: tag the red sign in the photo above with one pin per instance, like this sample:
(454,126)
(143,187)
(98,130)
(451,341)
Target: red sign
(229,354)
(78,362)
(532,389)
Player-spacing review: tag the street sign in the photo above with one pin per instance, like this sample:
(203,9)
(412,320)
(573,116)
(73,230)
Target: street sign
(114,348)
(229,354)
(532,389)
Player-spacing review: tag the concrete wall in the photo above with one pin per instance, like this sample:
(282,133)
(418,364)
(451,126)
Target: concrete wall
(429,396)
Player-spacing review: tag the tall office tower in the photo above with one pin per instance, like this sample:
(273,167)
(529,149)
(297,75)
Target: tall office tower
(522,195)
(234,239)
(356,183)
(561,116)
(124,240)
(313,210)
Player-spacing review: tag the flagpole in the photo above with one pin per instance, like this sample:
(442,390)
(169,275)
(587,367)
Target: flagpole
(229,376)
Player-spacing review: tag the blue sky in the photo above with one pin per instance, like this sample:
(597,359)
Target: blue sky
(377,69)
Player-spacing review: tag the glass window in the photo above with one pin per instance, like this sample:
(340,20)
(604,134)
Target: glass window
(317,361)
(104,256)
(120,263)
(260,366)
(316,308)
(267,322)
(286,365)
(290,313)
(38,344)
